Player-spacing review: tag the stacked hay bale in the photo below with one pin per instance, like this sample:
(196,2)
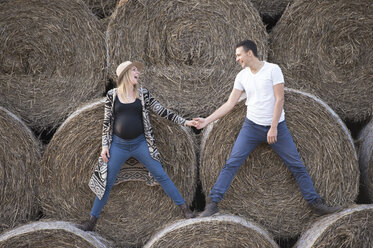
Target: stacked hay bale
(352,227)
(264,189)
(52,59)
(19,160)
(187,47)
(366,159)
(134,210)
(51,234)
(217,231)
(325,48)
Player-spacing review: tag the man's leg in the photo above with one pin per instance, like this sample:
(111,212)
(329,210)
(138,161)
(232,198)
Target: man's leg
(287,150)
(248,139)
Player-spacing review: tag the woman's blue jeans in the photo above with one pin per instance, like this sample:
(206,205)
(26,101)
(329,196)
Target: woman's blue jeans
(250,136)
(120,151)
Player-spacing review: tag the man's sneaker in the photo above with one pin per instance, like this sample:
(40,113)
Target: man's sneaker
(210,209)
(320,208)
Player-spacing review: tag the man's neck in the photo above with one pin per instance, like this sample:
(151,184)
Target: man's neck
(256,65)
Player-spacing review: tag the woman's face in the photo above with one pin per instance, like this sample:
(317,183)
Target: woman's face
(134,75)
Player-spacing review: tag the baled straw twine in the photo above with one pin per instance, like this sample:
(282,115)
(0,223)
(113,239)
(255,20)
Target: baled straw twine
(52,59)
(134,210)
(326,48)
(264,188)
(19,161)
(216,231)
(51,234)
(188,47)
(352,227)
(366,159)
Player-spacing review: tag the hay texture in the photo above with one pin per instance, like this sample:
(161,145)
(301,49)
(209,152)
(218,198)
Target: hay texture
(216,231)
(325,47)
(264,188)
(52,59)
(134,210)
(57,234)
(102,8)
(271,8)
(366,159)
(350,228)
(188,47)
(19,161)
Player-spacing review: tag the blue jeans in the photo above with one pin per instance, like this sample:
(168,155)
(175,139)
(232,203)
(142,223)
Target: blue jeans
(120,151)
(250,136)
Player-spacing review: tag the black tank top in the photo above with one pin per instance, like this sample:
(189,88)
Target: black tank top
(128,119)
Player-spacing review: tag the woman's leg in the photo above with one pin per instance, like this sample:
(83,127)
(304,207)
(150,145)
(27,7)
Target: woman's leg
(119,154)
(141,153)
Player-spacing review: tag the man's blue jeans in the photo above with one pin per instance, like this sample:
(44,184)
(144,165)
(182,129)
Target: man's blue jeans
(120,151)
(250,136)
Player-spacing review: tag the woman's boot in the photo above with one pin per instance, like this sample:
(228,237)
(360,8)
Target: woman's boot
(186,211)
(88,225)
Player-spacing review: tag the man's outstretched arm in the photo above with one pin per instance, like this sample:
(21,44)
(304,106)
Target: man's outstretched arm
(221,111)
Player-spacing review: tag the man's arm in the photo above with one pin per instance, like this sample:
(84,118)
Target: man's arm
(278,91)
(221,111)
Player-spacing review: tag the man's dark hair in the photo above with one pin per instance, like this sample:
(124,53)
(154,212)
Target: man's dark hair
(248,45)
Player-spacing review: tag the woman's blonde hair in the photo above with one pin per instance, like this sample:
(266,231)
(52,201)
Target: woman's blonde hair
(123,82)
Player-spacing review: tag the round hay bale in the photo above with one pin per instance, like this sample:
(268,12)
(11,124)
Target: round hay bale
(325,47)
(52,59)
(51,234)
(134,210)
(271,8)
(352,227)
(19,162)
(216,231)
(264,188)
(366,159)
(187,47)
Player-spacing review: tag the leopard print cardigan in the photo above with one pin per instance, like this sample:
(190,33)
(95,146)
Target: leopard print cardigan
(97,182)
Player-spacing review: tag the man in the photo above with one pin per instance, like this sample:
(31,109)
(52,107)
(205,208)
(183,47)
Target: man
(263,83)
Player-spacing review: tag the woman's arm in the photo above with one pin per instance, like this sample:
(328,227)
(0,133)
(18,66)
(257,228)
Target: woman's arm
(158,109)
(105,127)
(107,117)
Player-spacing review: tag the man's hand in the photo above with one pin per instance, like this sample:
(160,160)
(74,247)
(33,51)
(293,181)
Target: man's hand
(272,135)
(105,154)
(201,122)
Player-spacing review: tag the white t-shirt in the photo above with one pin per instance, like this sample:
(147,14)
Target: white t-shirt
(260,98)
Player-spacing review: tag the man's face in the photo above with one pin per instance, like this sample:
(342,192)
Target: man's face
(242,57)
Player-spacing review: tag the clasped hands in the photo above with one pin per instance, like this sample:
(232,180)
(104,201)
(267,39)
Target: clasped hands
(198,123)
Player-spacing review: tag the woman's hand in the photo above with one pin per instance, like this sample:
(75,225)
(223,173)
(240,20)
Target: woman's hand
(190,123)
(105,154)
